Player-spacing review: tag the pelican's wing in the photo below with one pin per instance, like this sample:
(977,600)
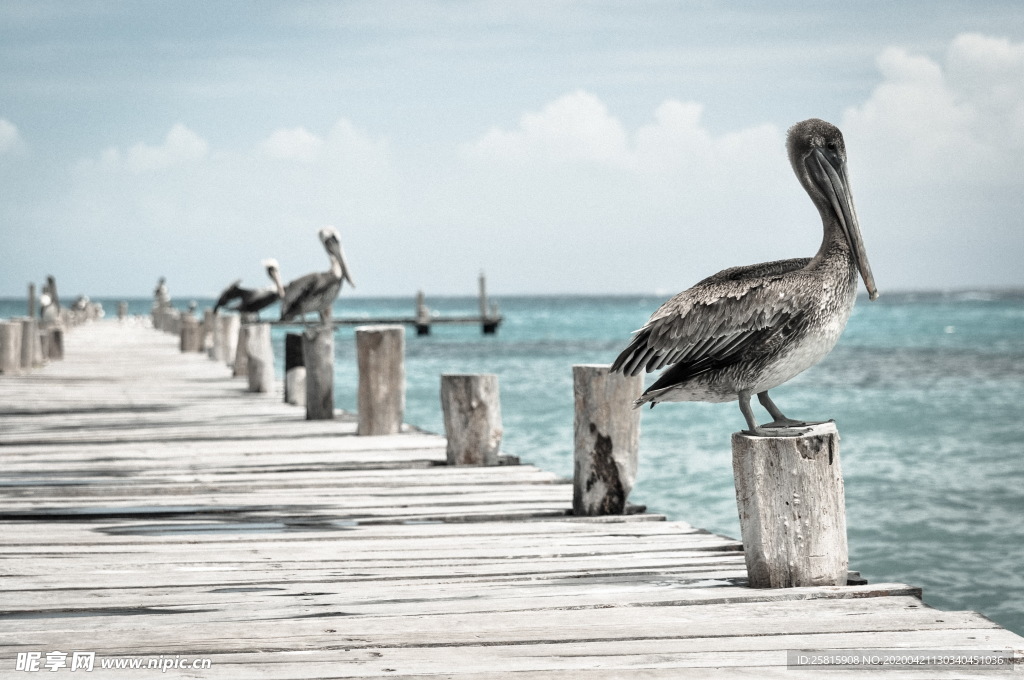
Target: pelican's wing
(719,318)
(259,299)
(294,293)
(230,293)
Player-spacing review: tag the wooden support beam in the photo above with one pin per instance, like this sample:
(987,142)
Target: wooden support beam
(191,335)
(260,357)
(36,341)
(792,508)
(422,315)
(472,418)
(606,438)
(228,326)
(295,371)
(240,366)
(55,343)
(318,358)
(10,347)
(381,358)
(31,354)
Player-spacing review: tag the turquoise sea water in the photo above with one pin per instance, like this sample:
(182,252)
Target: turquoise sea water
(926,390)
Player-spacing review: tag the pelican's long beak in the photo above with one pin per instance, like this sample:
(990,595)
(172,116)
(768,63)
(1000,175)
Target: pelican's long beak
(829,174)
(274,272)
(334,245)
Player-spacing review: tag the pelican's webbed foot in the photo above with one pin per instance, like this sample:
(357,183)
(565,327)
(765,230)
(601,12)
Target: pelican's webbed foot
(781,426)
(776,431)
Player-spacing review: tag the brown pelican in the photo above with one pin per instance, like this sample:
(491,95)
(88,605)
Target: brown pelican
(748,329)
(316,292)
(252,300)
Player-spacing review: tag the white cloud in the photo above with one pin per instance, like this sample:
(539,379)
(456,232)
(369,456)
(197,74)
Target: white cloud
(293,144)
(217,212)
(181,146)
(343,143)
(10,138)
(958,121)
(938,149)
(578,129)
(577,193)
(575,127)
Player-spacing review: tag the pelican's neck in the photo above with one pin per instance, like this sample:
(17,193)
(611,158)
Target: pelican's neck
(335,266)
(834,244)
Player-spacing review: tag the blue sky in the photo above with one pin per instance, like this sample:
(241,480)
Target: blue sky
(562,147)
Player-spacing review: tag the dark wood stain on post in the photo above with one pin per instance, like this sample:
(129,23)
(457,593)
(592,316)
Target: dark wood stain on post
(605,472)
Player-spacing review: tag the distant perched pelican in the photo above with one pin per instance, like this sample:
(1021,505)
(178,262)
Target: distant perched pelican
(316,292)
(748,329)
(252,300)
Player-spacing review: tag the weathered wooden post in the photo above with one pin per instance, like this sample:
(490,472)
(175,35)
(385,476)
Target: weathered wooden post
(122,310)
(10,347)
(172,321)
(55,343)
(229,326)
(318,358)
(216,345)
(488,324)
(31,354)
(191,334)
(472,418)
(240,366)
(32,300)
(295,371)
(381,358)
(791,502)
(33,335)
(260,358)
(422,315)
(607,439)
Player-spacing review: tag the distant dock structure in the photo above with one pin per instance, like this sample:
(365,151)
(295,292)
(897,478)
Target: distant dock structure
(424,318)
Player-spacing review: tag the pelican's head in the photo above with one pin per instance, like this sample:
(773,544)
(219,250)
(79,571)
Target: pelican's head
(332,243)
(274,272)
(817,153)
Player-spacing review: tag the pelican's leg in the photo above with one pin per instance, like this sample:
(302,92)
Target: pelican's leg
(772,429)
(744,398)
(780,420)
(325,316)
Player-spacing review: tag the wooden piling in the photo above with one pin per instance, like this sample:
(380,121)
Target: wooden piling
(10,347)
(32,300)
(55,343)
(791,502)
(318,358)
(295,371)
(260,358)
(606,438)
(422,315)
(35,341)
(240,366)
(228,326)
(215,349)
(31,355)
(472,418)
(172,321)
(381,358)
(489,322)
(191,335)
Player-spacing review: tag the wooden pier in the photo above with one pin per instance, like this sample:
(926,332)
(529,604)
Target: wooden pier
(154,510)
